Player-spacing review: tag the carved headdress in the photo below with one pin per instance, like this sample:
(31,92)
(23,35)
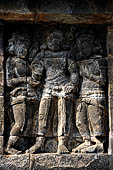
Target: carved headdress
(86,41)
(22,37)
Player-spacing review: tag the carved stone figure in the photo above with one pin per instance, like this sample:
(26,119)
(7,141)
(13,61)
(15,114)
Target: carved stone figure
(61,81)
(32,85)
(91,104)
(17,78)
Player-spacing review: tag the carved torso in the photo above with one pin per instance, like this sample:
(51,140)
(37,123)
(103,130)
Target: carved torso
(55,65)
(94,80)
(17,70)
(20,67)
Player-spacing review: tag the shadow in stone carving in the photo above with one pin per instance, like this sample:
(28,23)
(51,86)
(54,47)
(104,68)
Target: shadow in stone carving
(34,5)
(40,54)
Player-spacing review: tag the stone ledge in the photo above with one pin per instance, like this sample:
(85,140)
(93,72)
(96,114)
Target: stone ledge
(56,17)
(73,161)
(14,162)
(57,162)
(63,11)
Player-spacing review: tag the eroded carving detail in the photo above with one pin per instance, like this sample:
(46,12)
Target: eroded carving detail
(52,76)
(17,77)
(54,62)
(91,102)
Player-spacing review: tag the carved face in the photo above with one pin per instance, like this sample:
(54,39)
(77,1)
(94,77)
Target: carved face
(54,40)
(85,47)
(21,49)
(10,47)
(18,46)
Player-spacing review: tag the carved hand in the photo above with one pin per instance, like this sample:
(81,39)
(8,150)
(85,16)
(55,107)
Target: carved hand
(15,81)
(68,88)
(32,82)
(57,88)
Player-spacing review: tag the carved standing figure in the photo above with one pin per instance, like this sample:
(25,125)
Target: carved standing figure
(91,104)
(61,80)
(17,69)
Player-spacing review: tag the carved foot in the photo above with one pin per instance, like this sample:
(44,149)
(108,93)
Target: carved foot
(80,148)
(13,151)
(100,148)
(62,149)
(38,146)
(97,148)
(35,148)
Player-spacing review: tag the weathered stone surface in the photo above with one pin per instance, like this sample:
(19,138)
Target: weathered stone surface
(47,76)
(1,115)
(1,60)
(110,125)
(26,115)
(79,6)
(70,162)
(2,82)
(111,161)
(110,75)
(110,98)
(14,162)
(60,18)
(57,162)
(110,86)
(110,150)
(1,127)
(73,18)
(1,144)
(58,11)
(1,89)
(110,42)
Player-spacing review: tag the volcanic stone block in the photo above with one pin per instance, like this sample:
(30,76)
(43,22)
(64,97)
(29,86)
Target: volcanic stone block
(56,162)
(14,162)
(110,90)
(1,115)
(111,162)
(110,86)
(110,99)
(69,162)
(72,12)
(1,144)
(110,71)
(1,60)
(111,125)
(110,42)
(1,108)
(1,82)
(1,127)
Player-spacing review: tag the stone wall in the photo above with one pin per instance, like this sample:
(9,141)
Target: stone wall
(35,121)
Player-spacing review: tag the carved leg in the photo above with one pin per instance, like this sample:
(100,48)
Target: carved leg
(83,127)
(38,146)
(11,142)
(97,125)
(19,111)
(82,121)
(62,149)
(96,118)
(44,108)
(62,122)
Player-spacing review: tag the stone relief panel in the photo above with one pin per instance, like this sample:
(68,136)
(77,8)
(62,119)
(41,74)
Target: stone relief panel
(56,89)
